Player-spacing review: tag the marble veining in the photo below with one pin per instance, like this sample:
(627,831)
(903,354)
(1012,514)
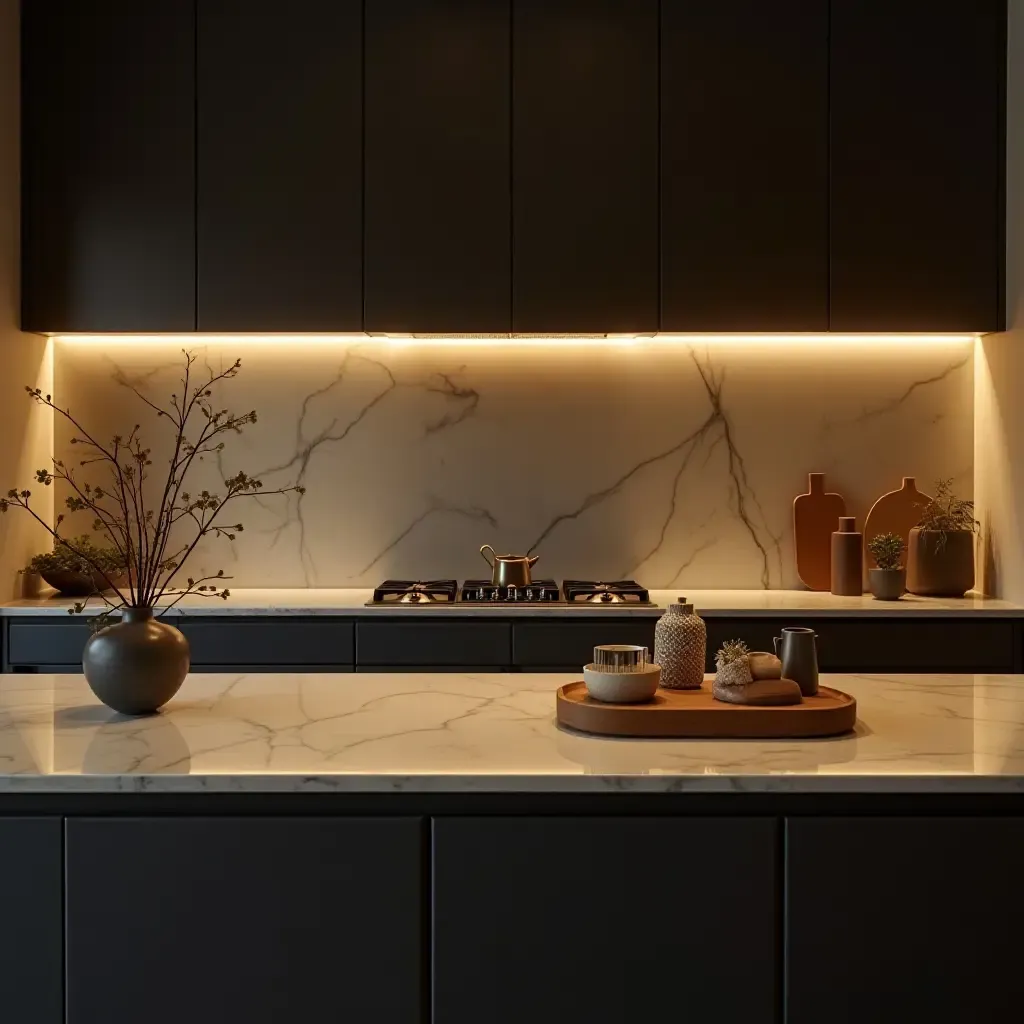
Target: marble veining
(487,733)
(669,461)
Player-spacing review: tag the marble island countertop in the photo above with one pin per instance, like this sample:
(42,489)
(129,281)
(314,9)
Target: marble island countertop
(710,603)
(464,733)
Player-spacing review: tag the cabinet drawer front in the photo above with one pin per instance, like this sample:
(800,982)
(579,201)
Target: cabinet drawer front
(277,643)
(281,642)
(455,644)
(571,644)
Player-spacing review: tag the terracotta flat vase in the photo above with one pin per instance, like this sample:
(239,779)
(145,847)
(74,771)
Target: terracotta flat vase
(896,512)
(816,516)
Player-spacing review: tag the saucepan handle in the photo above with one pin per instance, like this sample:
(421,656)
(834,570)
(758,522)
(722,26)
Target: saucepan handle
(483,550)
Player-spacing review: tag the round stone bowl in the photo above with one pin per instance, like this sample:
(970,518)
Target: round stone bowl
(622,687)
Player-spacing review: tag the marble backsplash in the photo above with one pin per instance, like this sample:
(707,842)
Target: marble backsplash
(668,460)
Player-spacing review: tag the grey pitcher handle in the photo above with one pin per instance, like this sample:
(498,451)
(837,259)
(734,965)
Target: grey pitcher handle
(489,561)
(776,640)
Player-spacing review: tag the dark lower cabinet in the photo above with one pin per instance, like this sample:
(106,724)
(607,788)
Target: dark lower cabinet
(892,920)
(261,920)
(570,920)
(31,921)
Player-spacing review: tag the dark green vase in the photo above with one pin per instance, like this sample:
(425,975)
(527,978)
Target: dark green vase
(136,665)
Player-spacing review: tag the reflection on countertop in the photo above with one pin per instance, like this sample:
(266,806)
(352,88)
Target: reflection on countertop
(710,603)
(463,732)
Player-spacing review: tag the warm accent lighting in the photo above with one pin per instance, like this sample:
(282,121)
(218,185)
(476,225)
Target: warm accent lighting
(522,341)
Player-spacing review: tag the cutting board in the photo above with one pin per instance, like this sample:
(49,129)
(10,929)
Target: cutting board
(816,517)
(685,714)
(896,512)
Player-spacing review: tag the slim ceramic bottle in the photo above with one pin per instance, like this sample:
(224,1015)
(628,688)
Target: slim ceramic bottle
(847,559)
(680,643)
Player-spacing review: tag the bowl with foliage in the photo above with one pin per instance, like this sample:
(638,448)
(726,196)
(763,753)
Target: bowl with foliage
(86,570)
(888,577)
(940,555)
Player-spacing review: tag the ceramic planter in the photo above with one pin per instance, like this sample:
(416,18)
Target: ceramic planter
(136,665)
(887,584)
(937,568)
(69,583)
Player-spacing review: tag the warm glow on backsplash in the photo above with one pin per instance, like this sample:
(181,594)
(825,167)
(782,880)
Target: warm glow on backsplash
(672,459)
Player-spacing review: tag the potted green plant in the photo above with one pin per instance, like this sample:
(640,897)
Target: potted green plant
(940,556)
(889,580)
(79,572)
(137,662)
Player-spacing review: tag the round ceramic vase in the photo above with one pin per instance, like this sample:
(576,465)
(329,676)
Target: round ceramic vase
(137,665)
(887,584)
(937,568)
(680,643)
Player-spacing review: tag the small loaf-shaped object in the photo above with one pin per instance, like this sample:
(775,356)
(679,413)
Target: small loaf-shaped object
(761,693)
(764,665)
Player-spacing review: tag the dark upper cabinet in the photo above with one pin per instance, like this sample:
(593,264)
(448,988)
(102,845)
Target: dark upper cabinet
(279,231)
(108,184)
(744,165)
(32,934)
(604,920)
(437,166)
(260,920)
(891,920)
(916,120)
(585,166)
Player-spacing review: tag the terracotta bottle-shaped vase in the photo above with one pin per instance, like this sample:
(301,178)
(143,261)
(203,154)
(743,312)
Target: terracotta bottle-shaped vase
(896,512)
(847,559)
(680,647)
(815,517)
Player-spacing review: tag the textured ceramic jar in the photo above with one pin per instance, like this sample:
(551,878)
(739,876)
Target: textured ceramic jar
(680,645)
(137,665)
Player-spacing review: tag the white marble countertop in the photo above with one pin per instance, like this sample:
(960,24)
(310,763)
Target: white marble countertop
(487,733)
(711,603)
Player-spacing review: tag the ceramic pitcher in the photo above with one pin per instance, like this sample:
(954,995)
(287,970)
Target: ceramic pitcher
(798,650)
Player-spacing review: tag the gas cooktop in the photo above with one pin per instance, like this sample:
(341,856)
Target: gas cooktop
(440,593)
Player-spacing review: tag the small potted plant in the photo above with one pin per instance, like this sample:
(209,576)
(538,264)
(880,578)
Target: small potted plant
(889,580)
(940,556)
(80,572)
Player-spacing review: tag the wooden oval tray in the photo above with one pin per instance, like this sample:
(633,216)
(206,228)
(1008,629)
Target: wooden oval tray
(695,713)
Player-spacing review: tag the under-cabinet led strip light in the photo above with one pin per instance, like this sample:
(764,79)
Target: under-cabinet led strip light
(524,341)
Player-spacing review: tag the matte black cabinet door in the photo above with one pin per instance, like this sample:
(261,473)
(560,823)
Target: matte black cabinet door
(744,165)
(892,920)
(280,174)
(437,166)
(916,164)
(595,920)
(261,920)
(108,183)
(31,932)
(585,166)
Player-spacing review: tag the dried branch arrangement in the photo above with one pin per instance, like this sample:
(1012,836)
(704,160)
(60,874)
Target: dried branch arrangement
(946,513)
(137,518)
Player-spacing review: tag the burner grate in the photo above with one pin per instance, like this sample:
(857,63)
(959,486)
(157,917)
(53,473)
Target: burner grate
(416,592)
(596,592)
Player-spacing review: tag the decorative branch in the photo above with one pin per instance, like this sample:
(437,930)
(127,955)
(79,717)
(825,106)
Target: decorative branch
(141,535)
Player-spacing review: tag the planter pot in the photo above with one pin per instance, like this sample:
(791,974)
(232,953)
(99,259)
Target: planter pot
(887,584)
(69,583)
(136,665)
(940,569)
